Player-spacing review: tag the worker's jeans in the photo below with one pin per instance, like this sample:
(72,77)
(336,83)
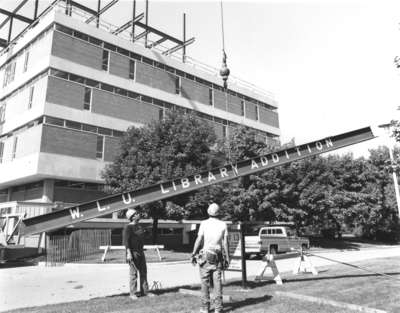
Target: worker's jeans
(208,273)
(138,264)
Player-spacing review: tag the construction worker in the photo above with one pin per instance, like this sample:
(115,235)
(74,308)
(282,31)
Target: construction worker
(213,258)
(133,242)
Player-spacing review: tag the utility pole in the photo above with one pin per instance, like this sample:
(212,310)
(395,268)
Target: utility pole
(390,146)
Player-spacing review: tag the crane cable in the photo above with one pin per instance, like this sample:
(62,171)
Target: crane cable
(224,71)
(222,27)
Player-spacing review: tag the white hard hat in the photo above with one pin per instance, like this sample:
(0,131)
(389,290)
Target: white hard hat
(132,214)
(213,209)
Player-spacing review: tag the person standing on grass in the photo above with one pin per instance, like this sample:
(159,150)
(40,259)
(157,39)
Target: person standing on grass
(133,242)
(212,258)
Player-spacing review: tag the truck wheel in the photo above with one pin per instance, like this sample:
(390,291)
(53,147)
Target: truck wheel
(273,250)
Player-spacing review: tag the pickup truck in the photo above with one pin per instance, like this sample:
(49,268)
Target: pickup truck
(276,239)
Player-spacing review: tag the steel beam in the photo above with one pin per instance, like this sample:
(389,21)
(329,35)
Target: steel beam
(159,33)
(82,7)
(13,11)
(127,24)
(156,43)
(177,47)
(141,35)
(16,16)
(104,9)
(161,191)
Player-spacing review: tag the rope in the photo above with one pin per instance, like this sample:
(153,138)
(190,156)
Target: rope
(355,266)
(222,27)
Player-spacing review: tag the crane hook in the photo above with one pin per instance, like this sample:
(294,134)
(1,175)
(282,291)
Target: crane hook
(224,71)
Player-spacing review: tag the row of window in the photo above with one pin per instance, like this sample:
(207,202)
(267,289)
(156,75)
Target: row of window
(82,127)
(78,185)
(145,60)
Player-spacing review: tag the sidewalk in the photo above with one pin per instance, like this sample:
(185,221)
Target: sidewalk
(39,285)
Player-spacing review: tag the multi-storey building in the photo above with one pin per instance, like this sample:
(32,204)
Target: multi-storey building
(69,90)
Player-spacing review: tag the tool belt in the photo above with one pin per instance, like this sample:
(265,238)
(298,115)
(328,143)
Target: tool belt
(210,256)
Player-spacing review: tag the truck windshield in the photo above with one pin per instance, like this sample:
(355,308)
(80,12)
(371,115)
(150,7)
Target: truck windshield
(251,230)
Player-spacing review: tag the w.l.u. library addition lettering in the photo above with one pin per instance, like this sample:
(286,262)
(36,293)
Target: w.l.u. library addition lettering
(165,190)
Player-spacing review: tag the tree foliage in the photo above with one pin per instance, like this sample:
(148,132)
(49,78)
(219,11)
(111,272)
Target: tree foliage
(324,194)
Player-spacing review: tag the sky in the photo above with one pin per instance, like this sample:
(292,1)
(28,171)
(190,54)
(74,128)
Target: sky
(328,62)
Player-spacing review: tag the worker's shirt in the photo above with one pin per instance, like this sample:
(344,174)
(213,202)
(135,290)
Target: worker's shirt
(214,232)
(132,238)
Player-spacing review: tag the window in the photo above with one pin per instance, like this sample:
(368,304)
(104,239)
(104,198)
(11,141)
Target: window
(210,97)
(73,125)
(26,61)
(242,107)
(110,46)
(177,85)
(59,74)
(131,69)
(54,121)
(99,147)
(256,111)
(122,92)
(107,87)
(106,59)
(95,41)
(92,83)
(31,90)
(2,112)
(14,149)
(87,99)
(105,131)
(9,73)
(279,231)
(1,151)
(76,78)
(63,29)
(89,128)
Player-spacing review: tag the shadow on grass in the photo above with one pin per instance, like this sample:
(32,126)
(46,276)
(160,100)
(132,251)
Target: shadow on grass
(349,243)
(246,302)
(313,278)
(334,244)
(17,264)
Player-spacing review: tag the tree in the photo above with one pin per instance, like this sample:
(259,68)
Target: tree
(175,147)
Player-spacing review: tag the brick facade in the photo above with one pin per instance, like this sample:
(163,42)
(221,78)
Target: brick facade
(68,142)
(156,78)
(65,93)
(76,50)
(124,108)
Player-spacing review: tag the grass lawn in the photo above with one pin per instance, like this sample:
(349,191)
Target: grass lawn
(339,283)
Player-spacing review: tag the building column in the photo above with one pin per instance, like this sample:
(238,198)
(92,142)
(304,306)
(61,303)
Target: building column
(48,190)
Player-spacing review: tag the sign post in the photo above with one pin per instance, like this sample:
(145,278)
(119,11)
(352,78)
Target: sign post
(237,253)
